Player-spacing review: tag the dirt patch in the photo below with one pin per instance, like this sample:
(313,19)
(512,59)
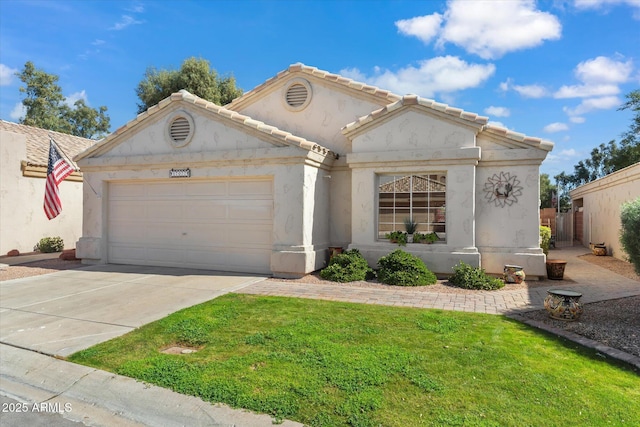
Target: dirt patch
(37,268)
(178,349)
(623,268)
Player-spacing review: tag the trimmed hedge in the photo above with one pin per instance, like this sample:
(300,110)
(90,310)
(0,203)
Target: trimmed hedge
(403,269)
(349,266)
(545,239)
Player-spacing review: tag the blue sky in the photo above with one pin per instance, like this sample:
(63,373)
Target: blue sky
(552,69)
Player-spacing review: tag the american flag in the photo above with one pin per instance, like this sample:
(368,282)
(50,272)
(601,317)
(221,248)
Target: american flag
(57,170)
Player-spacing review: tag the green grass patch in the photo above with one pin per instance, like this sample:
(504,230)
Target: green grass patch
(334,364)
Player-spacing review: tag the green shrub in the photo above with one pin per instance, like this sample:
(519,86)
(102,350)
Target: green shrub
(348,266)
(630,231)
(468,277)
(398,237)
(50,244)
(403,269)
(545,239)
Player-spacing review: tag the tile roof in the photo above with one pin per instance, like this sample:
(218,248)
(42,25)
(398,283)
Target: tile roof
(285,138)
(38,142)
(408,100)
(384,96)
(518,137)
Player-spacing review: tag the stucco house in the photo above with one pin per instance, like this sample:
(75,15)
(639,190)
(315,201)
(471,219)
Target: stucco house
(24,154)
(306,161)
(597,205)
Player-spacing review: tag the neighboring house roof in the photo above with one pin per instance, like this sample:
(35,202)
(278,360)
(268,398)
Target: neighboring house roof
(38,143)
(275,135)
(379,95)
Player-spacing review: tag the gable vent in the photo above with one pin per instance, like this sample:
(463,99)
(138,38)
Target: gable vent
(297,95)
(179,130)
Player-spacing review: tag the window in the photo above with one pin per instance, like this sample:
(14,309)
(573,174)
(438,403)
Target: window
(419,197)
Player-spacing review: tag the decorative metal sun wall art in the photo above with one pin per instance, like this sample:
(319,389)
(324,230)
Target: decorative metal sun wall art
(503,189)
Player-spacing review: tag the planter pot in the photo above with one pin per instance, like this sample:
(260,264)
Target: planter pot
(409,238)
(334,250)
(555,269)
(513,274)
(563,304)
(599,250)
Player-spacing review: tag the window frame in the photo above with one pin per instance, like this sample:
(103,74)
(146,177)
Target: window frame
(432,207)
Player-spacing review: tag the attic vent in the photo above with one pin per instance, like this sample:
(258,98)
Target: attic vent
(297,94)
(180,129)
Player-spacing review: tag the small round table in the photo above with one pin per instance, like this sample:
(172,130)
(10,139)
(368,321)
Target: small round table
(563,304)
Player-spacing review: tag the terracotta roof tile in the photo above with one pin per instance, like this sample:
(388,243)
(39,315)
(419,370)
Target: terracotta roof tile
(384,95)
(38,142)
(415,100)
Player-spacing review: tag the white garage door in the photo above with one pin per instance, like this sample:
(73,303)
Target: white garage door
(216,225)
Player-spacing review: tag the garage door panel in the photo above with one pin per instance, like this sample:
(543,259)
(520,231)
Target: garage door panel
(222,225)
(126,191)
(246,188)
(214,188)
(258,210)
(123,210)
(164,190)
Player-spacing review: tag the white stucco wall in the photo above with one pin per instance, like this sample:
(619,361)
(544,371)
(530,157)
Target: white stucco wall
(413,143)
(300,223)
(601,201)
(22,219)
(331,107)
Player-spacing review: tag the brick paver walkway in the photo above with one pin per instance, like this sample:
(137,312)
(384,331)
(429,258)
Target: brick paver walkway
(595,283)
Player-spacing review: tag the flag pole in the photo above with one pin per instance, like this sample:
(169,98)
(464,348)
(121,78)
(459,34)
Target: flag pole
(60,150)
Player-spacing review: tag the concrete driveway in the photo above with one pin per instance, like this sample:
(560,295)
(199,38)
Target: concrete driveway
(67,311)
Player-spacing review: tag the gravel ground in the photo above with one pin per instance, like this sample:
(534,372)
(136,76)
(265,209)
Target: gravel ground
(36,268)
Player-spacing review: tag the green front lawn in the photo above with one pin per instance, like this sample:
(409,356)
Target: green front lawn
(330,364)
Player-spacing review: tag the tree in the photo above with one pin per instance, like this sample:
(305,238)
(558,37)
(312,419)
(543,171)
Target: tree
(546,191)
(611,157)
(46,108)
(195,76)
(629,236)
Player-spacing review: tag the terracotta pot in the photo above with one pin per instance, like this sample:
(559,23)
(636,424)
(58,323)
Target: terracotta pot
(555,269)
(334,250)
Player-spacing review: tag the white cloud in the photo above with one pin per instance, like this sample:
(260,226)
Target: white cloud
(577,119)
(6,75)
(528,91)
(599,76)
(604,70)
(569,153)
(443,74)
(423,27)
(76,96)
(586,91)
(497,111)
(591,104)
(98,42)
(483,29)
(599,4)
(18,112)
(125,21)
(555,127)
